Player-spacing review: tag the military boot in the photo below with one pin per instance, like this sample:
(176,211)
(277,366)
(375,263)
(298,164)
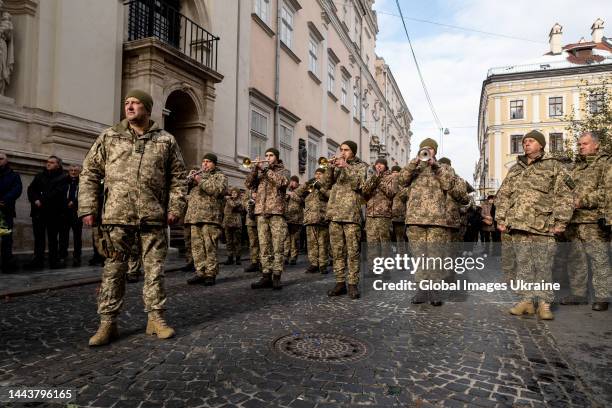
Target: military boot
(339,289)
(132,278)
(238,261)
(197,278)
(523,307)
(323,270)
(293,261)
(573,300)
(229,261)
(276,283)
(312,269)
(252,268)
(106,333)
(264,282)
(544,312)
(600,306)
(157,325)
(353,292)
(210,280)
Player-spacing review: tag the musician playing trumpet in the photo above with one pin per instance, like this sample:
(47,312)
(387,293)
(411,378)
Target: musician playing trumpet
(270,180)
(204,214)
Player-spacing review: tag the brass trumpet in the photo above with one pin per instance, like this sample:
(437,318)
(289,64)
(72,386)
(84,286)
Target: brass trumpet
(324,162)
(424,154)
(248,163)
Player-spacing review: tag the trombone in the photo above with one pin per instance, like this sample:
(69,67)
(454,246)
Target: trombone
(248,163)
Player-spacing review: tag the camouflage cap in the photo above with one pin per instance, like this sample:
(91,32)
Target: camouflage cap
(534,134)
(445,160)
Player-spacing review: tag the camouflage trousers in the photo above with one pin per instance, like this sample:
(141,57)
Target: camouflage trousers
(204,244)
(589,243)
(534,255)
(272,230)
(378,236)
(233,241)
(292,240)
(317,241)
(121,241)
(508,258)
(429,242)
(346,249)
(399,231)
(187,238)
(134,263)
(253,243)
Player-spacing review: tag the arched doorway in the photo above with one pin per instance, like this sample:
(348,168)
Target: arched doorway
(181,119)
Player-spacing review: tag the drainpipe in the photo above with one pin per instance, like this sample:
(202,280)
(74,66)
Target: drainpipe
(276,142)
(361,88)
(237,104)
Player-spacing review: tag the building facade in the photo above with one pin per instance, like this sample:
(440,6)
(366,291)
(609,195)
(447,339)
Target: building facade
(231,77)
(537,95)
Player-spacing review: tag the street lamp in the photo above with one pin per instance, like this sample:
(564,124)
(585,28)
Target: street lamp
(443,131)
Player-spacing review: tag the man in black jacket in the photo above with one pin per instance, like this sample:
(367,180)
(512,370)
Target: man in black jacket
(48,197)
(73,222)
(10,190)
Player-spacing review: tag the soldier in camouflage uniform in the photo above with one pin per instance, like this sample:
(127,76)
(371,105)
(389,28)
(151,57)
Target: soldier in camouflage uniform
(458,209)
(535,205)
(398,212)
(189,267)
(429,218)
(317,229)
(270,180)
(251,225)
(378,191)
(134,263)
(295,218)
(144,190)
(345,178)
(204,215)
(232,222)
(589,239)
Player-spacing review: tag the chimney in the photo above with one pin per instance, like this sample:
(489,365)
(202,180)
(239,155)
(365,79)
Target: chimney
(554,39)
(597,30)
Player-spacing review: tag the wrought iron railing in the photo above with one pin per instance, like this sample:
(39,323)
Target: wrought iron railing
(158,19)
(559,64)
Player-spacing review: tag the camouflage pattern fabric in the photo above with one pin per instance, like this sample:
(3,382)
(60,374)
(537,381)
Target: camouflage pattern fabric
(378,191)
(534,260)
(295,207)
(292,240)
(345,185)
(399,231)
(233,241)
(430,241)
(204,244)
(317,241)
(249,206)
(134,262)
(187,238)
(345,246)
(206,199)
(270,186)
(378,230)
(608,194)
(398,208)
(589,174)
(508,258)
(315,202)
(232,213)
(253,243)
(144,177)
(153,247)
(589,243)
(535,197)
(272,231)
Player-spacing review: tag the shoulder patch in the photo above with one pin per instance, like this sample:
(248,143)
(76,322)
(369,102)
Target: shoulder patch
(569,182)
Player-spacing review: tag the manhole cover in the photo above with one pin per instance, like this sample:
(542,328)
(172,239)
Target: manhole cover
(321,347)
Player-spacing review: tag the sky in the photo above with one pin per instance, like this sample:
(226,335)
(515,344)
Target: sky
(454,62)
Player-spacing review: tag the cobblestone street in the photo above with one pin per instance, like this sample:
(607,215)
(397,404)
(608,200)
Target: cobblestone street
(233,348)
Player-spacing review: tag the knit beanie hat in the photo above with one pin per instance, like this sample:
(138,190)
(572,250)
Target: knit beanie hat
(143,97)
(429,142)
(274,151)
(534,134)
(445,160)
(396,168)
(382,161)
(352,145)
(210,156)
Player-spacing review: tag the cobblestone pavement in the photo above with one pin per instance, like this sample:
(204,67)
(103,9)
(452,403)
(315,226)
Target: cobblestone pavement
(469,353)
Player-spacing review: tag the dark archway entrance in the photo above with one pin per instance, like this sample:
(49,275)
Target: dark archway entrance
(181,119)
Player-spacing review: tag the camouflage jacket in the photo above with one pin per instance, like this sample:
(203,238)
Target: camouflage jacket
(378,191)
(249,207)
(144,177)
(206,199)
(486,211)
(232,213)
(315,203)
(345,185)
(295,208)
(456,198)
(427,198)
(589,174)
(535,197)
(398,210)
(608,194)
(270,186)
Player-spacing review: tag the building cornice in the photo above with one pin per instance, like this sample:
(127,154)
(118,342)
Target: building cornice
(587,69)
(17,7)
(260,96)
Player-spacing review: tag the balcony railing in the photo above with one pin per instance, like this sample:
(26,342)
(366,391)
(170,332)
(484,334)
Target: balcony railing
(560,64)
(158,19)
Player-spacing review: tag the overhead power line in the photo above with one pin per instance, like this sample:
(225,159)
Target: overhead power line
(461,28)
(429,101)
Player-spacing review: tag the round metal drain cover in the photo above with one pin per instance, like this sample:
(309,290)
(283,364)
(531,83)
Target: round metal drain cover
(321,347)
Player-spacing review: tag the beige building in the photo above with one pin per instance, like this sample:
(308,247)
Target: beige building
(538,94)
(232,77)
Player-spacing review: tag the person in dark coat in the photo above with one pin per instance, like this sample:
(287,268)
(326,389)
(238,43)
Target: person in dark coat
(48,198)
(73,222)
(10,191)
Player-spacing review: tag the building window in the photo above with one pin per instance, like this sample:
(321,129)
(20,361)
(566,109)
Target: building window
(331,76)
(313,156)
(516,109)
(516,144)
(555,142)
(313,55)
(356,33)
(262,9)
(555,106)
(286,34)
(286,143)
(343,91)
(595,103)
(259,133)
